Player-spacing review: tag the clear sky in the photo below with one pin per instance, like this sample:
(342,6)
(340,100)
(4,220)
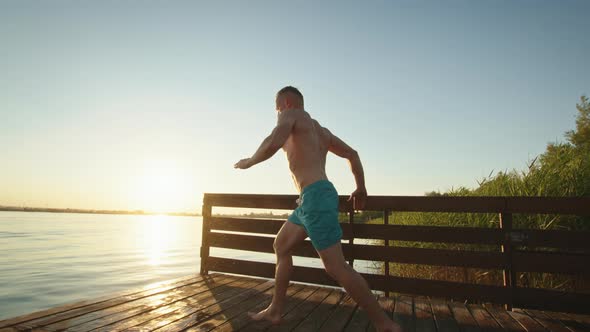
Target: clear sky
(148,104)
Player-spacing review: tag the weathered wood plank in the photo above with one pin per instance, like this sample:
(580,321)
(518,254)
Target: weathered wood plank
(548,323)
(526,321)
(553,262)
(549,205)
(316,318)
(97,317)
(95,309)
(543,205)
(202,307)
(436,288)
(424,287)
(246,225)
(463,317)
(468,235)
(239,291)
(263,294)
(359,320)
(553,238)
(298,314)
(125,314)
(76,305)
(243,319)
(484,319)
(443,317)
(200,300)
(255,201)
(403,313)
(291,304)
(256,243)
(544,299)
(567,320)
(424,316)
(505,320)
(581,318)
(388,305)
(267,270)
(435,204)
(437,257)
(340,316)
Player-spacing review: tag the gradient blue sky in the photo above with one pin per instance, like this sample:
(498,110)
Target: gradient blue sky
(148,104)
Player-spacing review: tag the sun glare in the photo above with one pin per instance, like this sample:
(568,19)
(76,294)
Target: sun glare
(157,238)
(161,188)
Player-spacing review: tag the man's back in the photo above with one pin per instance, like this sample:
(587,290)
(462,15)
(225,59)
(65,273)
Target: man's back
(306,148)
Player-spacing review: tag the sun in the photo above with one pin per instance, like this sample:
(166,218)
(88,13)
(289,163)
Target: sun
(160,187)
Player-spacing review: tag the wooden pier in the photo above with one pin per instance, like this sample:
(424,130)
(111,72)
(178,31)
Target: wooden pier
(220,297)
(221,302)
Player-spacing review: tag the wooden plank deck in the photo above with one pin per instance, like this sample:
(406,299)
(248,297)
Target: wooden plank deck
(220,302)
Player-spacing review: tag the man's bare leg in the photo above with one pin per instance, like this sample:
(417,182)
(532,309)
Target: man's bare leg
(288,237)
(356,286)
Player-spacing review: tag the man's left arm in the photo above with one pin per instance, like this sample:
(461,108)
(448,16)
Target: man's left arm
(271,144)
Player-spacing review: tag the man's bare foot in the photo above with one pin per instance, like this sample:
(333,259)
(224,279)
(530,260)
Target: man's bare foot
(268,315)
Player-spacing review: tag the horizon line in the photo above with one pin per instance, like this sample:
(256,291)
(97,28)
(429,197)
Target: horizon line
(92,211)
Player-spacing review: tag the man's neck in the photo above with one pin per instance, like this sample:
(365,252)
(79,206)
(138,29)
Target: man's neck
(292,109)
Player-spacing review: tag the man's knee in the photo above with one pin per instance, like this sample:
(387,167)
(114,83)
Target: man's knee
(336,269)
(281,248)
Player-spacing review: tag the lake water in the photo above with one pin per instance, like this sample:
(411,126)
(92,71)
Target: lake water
(48,259)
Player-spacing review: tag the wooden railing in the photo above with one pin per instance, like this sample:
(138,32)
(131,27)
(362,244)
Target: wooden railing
(510,258)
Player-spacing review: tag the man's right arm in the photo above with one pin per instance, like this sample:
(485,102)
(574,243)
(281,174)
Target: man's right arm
(341,149)
(271,144)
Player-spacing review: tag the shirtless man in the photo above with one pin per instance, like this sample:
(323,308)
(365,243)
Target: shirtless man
(306,144)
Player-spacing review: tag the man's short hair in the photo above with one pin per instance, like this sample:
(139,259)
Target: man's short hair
(291,89)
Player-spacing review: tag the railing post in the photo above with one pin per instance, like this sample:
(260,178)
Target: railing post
(206,213)
(509,273)
(386,222)
(351,241)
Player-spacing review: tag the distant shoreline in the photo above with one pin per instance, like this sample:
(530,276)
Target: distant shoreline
(124,212)
(264,215)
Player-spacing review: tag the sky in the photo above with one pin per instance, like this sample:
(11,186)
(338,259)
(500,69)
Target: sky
(148,104)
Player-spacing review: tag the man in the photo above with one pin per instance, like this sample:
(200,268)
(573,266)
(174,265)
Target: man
(306,144)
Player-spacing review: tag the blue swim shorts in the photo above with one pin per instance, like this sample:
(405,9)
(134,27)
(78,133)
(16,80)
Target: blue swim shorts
(318,214)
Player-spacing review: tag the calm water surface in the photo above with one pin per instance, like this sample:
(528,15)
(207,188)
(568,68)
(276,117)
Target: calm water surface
(48,259)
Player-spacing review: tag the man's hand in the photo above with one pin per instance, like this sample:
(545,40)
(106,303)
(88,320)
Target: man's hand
(359,198)
(243,164)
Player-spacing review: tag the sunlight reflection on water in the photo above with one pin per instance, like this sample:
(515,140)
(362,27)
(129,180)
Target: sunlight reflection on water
(157,238)
(48,259)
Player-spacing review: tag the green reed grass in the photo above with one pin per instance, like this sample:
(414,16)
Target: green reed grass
(563,170)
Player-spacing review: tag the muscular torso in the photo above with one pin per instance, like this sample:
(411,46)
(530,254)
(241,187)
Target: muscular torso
(306,150)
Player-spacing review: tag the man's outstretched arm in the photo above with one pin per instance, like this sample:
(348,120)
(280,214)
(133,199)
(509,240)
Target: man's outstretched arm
(341,149)
(271,144)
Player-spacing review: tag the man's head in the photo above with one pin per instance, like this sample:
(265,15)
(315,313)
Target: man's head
(289,98)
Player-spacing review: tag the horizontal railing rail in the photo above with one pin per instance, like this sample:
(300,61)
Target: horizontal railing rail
(542,205)
(509,249)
